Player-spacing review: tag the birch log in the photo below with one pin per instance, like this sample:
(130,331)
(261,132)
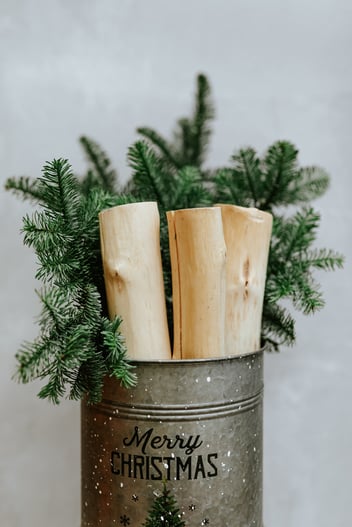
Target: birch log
(130,245)
(198,253)
(247,236)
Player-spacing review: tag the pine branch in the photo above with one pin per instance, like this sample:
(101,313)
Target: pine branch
(184,141)
(278,326)
(323,259)
(285,183)
(242,182)
(274,181)
(280,169)
(225,188)
(24,187)
(309,183)
(89,379)
(203,115)
(149,180)
(42,232)
(162,145)
(115,353)
(77,345)
(191,136)
(101,173)
(59,190)
(291,263)
(299,232)
(189,190)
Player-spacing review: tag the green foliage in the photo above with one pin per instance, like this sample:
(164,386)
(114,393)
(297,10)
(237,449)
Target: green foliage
(271,183)
(191,135)
(24,187)
(100,172)
(77,344)
(164,511)
(274,181)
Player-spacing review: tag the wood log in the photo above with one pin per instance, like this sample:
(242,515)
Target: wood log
(130,246)
(198,254)
(247,234)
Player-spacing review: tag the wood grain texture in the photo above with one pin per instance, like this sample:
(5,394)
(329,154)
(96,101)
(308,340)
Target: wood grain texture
(198,253)
(247,234)
(130,246)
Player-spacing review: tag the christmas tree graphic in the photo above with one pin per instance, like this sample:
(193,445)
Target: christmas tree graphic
(164,511)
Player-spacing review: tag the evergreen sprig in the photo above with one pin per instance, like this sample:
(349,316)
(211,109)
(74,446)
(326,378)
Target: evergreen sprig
(191,136)
(274,181)
(77,345)
(100,173)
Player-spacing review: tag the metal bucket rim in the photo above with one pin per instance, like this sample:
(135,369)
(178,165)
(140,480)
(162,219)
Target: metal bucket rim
(227,358)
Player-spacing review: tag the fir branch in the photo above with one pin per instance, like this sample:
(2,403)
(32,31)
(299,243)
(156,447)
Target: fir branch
(280,169)
(291,263)
(189,190)
(162,145)
(323,259)
(89,380)
(115,353)
(191,137)
(285,183)
(149,180)
(59,190)
(77,345)
(42,232)
(203,115)
(247,165)
(242,182)
(298,233)
(101,174)
(307,297)
(225,188)
(309,183)
(32,359)
(184,140)
(24,187)
(278,326)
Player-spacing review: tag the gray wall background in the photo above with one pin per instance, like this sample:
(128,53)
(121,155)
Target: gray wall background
(279,70)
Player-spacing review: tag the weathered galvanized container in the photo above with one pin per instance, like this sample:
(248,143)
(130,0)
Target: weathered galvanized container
(194,424)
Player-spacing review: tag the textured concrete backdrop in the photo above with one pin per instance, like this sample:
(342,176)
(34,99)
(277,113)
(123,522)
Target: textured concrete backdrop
(279,70)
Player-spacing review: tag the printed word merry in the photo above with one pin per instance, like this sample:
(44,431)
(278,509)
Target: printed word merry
(149,440)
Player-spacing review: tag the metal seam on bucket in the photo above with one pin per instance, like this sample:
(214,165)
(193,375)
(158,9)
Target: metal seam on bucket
(178,412)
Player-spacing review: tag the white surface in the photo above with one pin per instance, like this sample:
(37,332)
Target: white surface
(279,70)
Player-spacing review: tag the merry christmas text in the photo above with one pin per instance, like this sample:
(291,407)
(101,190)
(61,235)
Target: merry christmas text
(145,465)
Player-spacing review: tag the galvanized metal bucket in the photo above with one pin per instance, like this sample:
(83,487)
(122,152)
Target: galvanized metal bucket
(195,425)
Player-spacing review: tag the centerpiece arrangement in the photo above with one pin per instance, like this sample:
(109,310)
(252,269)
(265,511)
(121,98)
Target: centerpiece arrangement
(157,297)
